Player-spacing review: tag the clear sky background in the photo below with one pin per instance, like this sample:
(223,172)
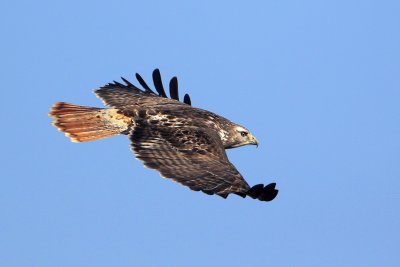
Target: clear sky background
(318,83)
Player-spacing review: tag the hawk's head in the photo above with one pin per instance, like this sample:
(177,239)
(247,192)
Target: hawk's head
(240,136)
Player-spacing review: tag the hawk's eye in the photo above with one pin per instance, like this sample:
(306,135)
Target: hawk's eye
(243,134)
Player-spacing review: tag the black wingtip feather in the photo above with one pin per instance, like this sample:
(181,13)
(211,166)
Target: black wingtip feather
(158,83)
(173,88)
(255,191)
(269,192)
(263,193)
(186,100)
(117,83)
(128,83)
(143,83)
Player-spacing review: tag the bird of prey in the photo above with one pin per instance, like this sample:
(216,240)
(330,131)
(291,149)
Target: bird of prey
(181,142)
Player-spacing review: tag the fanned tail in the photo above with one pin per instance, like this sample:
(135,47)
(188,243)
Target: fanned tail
(82,124)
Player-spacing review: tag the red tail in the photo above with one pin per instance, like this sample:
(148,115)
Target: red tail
(83,124)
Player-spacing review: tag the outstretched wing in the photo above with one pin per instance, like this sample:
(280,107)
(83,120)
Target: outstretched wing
(191,156)
(120,95)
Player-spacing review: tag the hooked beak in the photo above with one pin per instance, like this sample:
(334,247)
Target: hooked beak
(254,141)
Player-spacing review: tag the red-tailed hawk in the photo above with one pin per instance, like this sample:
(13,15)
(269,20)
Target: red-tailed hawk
(181,142)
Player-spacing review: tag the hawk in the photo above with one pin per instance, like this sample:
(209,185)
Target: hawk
(181,142)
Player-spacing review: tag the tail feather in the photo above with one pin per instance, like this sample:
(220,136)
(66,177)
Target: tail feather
(82,124)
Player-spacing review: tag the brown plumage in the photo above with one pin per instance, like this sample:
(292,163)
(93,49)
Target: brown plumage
(181,142)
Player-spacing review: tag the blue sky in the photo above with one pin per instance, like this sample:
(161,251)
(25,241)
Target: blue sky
(316,81)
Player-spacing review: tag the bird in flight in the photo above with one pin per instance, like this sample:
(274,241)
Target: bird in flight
(181,142)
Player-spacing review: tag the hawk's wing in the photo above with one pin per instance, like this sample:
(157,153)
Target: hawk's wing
(191,156)
(120,95)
